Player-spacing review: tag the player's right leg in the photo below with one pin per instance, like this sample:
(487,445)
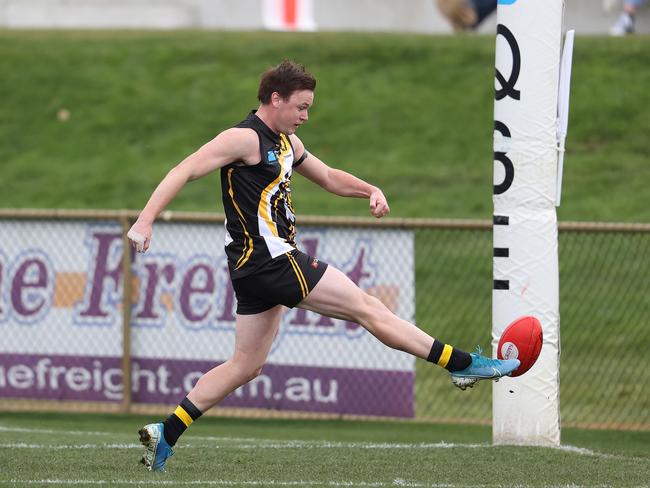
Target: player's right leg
(254,336)
(337,296)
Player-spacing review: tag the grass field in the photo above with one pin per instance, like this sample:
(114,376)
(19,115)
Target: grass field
(90,450)
(411,113)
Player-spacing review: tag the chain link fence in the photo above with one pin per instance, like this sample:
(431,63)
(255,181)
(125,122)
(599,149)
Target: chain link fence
(604,324)
(85,326)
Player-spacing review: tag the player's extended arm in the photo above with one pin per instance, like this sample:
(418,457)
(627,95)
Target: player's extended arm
(230,145)
(340,182)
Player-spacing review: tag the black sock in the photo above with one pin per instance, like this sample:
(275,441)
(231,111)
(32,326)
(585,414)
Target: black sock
(448,357)
(181,419)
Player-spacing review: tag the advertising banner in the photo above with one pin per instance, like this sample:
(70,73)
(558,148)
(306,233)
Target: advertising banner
(61,299)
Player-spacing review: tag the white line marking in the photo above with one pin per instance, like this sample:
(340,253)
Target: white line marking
(207,442)
(274,445)
(5,428)
(360,484)
(364,484)
(24,445)
(296,444)
(334,484)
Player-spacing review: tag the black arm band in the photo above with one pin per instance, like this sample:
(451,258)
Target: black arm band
(300,159)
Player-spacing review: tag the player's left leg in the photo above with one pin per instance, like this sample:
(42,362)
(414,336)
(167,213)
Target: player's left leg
(254,336)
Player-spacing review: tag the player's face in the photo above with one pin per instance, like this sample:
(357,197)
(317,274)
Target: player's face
(293,112)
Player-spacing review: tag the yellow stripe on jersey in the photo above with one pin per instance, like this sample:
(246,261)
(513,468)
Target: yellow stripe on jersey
(248,245)
(183,415)
(265,198)
(445,355)
(301,278)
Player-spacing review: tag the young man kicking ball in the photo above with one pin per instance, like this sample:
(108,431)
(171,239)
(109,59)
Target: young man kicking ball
(257,158)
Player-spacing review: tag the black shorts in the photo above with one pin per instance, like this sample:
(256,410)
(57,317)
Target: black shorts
(285,280)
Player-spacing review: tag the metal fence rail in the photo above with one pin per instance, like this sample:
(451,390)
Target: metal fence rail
(604,305)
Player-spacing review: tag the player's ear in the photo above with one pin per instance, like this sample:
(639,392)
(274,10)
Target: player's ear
(275,99)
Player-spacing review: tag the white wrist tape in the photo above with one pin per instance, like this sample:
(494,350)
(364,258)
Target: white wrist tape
(138,239)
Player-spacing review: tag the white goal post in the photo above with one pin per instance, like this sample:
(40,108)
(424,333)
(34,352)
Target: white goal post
(525,263)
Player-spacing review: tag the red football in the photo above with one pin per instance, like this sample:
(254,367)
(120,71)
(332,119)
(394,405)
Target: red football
(521,340)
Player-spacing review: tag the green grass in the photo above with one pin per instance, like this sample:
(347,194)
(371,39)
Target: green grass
(411,113)
(101,449)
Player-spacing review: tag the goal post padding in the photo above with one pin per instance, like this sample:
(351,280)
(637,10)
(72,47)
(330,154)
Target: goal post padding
(525,263)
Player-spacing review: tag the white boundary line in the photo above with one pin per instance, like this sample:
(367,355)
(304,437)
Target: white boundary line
(270,445)
(257,443)
(218,483)
(24,445)
(361,484)
(6,428)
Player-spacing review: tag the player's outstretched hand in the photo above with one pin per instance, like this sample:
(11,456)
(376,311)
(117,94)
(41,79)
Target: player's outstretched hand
(378,204)
(140,236)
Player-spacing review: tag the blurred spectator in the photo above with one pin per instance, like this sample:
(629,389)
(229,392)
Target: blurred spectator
(466,15)
(625,23)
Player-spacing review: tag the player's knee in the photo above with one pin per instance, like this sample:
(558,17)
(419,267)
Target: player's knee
(378,319)
(373,310)
(246,370)
(255,373)
(251,372)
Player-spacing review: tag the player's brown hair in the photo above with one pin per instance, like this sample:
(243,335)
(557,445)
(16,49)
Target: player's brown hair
(285,78)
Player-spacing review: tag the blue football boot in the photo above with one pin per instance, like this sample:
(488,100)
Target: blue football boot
(156,449)
(482,368)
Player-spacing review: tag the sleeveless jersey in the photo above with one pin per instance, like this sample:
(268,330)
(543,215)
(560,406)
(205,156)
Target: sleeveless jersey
(260,221)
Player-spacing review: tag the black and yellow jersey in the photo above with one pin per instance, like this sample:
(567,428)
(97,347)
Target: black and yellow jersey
(260,221)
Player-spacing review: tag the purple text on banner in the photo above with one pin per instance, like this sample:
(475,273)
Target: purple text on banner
(299,388)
